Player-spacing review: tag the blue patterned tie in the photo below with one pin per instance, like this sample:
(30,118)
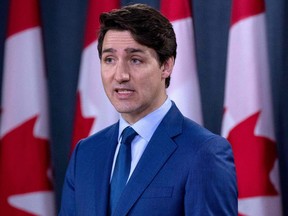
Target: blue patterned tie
(122,167)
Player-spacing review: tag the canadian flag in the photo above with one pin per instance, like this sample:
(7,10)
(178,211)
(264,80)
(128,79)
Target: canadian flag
(248,120)
(93,109)
(25,171)
(184,88)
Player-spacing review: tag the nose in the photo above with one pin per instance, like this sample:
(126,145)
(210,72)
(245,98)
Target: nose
(122,72)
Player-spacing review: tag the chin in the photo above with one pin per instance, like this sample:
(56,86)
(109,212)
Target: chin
(123,110)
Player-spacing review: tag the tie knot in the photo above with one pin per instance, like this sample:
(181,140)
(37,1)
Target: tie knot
(128,135)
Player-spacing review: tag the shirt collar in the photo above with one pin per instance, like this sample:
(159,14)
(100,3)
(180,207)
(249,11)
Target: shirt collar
(146,126)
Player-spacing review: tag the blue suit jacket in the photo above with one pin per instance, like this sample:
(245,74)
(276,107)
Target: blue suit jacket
(185,170)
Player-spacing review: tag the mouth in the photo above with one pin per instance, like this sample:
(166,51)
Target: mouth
(124,93)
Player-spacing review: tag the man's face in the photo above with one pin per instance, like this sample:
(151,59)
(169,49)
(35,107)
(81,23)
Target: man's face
(132,77)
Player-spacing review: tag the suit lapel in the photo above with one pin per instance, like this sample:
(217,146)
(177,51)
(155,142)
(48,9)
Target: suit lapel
(105,152)
(156,154)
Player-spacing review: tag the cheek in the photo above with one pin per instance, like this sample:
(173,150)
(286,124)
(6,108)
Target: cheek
(106,83)
(150,83)
(105,76)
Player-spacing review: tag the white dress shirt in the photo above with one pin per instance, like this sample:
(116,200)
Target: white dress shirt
(145,129)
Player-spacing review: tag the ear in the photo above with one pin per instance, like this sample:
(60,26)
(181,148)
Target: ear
(167,68)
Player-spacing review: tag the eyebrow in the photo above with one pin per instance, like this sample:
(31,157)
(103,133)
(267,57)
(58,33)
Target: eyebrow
(128,50)
(134,50)
(111,50)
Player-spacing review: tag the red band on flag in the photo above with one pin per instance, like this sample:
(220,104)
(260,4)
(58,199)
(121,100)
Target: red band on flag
(242,9)
(94,10)
(181,9)
(23,15)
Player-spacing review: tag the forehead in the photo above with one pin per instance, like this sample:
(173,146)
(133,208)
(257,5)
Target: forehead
(121,40)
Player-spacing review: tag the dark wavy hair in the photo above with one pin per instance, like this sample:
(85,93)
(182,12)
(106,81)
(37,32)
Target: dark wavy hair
(147,26)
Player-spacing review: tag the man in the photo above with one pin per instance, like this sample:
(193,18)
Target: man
(175,167)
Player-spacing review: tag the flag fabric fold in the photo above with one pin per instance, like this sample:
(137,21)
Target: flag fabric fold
(184,87)
(25,163)
(93,109)
(248,115)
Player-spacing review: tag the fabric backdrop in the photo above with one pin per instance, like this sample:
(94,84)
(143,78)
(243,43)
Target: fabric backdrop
(63,26)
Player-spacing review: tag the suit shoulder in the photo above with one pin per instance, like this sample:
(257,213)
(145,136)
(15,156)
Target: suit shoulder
(101,135)
(200,133)
(201,139)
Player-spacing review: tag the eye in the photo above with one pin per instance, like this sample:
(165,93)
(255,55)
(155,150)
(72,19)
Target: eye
(108,60)
(136,61)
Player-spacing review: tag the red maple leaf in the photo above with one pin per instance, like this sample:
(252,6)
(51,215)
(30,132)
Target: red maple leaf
(82,125)
(24,163)
(254,159)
